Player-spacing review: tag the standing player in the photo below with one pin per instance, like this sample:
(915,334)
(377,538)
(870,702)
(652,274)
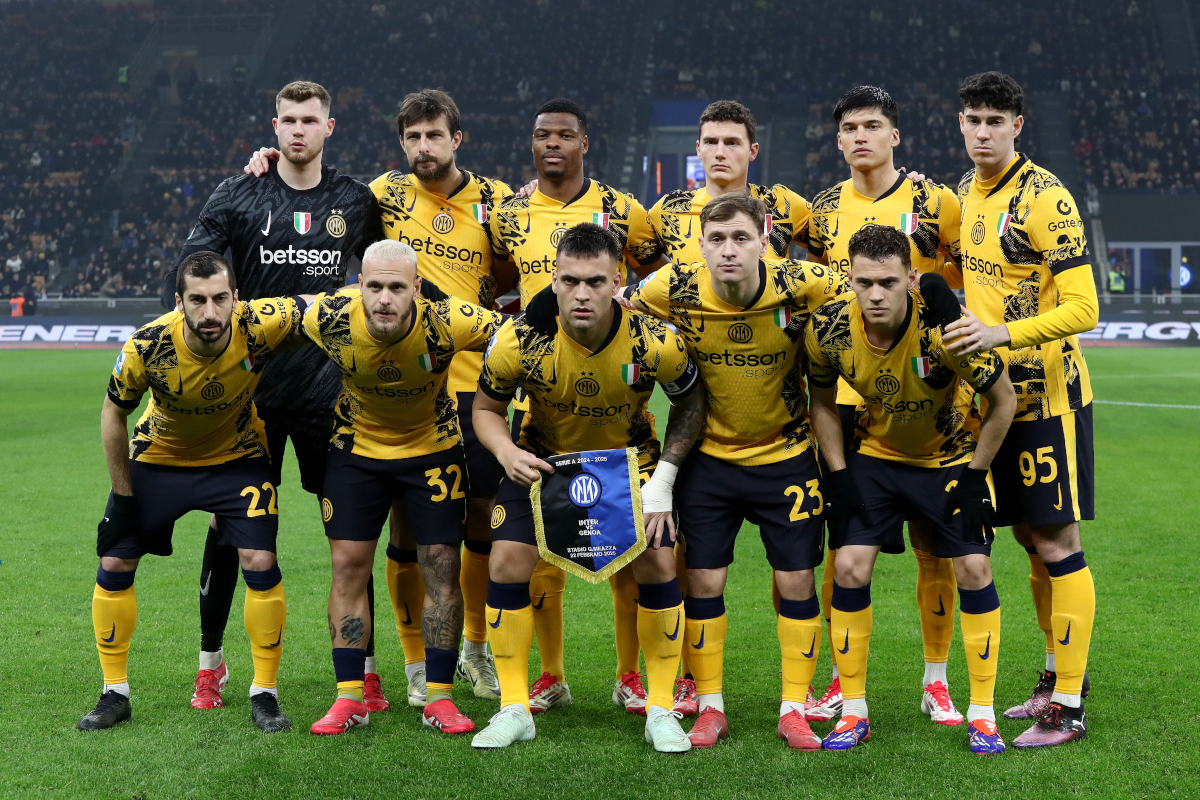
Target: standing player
(527,231)
(290,233)
(743,321)
(1030,292)
(198,445)
(396,439)
(925,451)
(598,363)
(926,212)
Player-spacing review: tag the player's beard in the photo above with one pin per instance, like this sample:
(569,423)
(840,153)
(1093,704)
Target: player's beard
(207,336)
(431,170)
(304,157)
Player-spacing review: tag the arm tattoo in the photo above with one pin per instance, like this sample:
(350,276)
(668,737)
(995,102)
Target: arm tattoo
(441,622)
(684,425)
(352,630)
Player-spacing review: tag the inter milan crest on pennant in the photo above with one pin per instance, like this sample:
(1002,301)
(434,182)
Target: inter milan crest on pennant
(588,513)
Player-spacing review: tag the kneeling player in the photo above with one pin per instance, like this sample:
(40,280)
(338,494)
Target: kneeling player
(925,452)
(199,445)
(396,438)
(588,378)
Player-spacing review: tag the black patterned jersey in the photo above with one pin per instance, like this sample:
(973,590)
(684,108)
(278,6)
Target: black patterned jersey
(201,410)
(918,400)
(675,219)
(287,241)
(395,400)
(1024,252)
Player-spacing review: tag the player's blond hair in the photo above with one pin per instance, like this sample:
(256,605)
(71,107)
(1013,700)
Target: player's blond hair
(299,91)
(390,250)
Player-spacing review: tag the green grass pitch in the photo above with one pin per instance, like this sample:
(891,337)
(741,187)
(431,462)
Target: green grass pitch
(1143,711)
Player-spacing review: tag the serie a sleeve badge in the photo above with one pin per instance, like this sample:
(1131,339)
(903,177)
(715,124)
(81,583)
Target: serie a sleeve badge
(588,514)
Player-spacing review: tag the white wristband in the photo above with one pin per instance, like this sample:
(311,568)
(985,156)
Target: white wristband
(656,494)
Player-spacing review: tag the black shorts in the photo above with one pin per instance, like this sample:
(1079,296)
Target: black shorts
(310,434)
(432,490)
(891,490)
(240,493)
(783,499)
(1045,471)
(483,470)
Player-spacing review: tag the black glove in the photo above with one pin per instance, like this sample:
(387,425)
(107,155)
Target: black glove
(939,299)
(120,520)
(842,501)
(971,497)
(542,312)
(431,292)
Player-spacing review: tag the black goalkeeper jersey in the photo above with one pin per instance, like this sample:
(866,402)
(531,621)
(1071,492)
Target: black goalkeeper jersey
(287,241)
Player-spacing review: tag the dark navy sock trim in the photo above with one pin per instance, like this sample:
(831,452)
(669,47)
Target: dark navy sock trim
(800,609)
(114,581)
(1072,563)
(659,596)
(349,664)
(401,556)
(1031,550)
(440,664)
(509,596)
(704,607)
(978,601)
(480,548)
(263,581)
(851,600)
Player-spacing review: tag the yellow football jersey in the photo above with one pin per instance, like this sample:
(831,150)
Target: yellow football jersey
(579,400)
(1024,252)
(918,400)
(201,410)
(395,400)
(528,230)
(752,359)
(675,219)
(452,240)
(924,211)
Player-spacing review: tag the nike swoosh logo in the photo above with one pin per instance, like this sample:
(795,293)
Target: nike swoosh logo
(1068,639)
(812,649)
(528,218)
(407,616)
(180,390)
(112,635)
(846,647)
(688,235)
(267,230)
(850,374)
(207,583)
(701,328)
(700,644)
(499,614)
(538,604)
(1059,506)
(941,612)
(278,640)
(353,366)
(987,651)
(106,519)
(837,223)
(411,205)
(675,635)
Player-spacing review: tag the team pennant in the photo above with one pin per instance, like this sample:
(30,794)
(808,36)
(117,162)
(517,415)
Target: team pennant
(427,361)
(600,218)
(479,212)
(630,373)
(908,224)
(247,363)
(783,316)
(1003,223)
(922,367)
(303,221)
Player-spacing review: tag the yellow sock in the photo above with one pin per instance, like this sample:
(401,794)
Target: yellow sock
(799,628)
(439,691)
(980,619)
(706,625)
(685,667)
(626,620)
(266,619)
(936,588)
(655,628)
(406,588)
(1074,612)
(350,690)
(474,581)
(114,616)
(1039,583)
(827,601)
(511,637)
(546,595)
(851,621)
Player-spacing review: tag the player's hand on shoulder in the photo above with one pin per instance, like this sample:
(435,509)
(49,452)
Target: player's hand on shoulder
(916,177)
(970,335)
(523,467)
(542,312)
(260,161)
(528,189)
